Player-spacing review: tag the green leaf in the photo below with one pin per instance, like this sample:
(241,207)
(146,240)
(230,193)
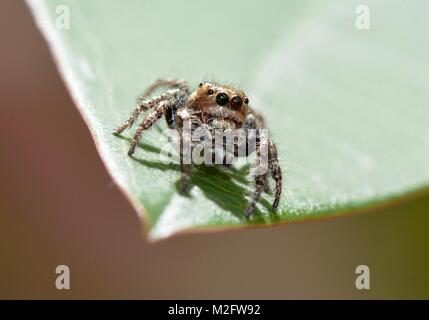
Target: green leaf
(347,107)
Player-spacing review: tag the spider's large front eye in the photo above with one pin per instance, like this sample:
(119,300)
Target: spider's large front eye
(236,102)
(222,99)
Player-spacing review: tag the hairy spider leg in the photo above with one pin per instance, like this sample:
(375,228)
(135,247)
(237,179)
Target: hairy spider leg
(276,172)
(255,121)
(185,169)
(169,83)
(144,106)
(154,116)
(260,181)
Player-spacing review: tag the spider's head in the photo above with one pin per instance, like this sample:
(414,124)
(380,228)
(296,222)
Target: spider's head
(221,101)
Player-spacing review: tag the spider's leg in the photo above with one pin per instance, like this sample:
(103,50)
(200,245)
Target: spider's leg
(276,172)
(147,123)
(144,106)
(185,149)
(253,121)
(260,181)
(129,122)
(185,168)
(169,83)
(267,188)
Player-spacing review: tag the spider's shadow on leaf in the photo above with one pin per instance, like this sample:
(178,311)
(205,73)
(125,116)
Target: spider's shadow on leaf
(224,186)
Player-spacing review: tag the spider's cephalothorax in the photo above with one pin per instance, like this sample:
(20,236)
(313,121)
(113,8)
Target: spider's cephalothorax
(213,106)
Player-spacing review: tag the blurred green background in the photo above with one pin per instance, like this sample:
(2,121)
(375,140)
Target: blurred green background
(59,206)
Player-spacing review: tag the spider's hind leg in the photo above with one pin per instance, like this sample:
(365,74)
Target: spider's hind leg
(145,104)
(168,83)
(154,116)
(174,96)
(141,107)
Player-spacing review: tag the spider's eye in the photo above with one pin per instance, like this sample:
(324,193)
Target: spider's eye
(222,99)
(210,91)
(246,100)
(236,102)
(201,84)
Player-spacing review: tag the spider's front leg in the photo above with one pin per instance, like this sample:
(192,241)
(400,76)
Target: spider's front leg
(260,181)
(255,121)
(185,168)
(185,133)
(276,172)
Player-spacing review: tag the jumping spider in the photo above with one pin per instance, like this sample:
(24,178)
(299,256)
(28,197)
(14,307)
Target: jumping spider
(214,106)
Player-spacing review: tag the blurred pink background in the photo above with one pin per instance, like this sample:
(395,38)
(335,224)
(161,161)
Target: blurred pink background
(59,206)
